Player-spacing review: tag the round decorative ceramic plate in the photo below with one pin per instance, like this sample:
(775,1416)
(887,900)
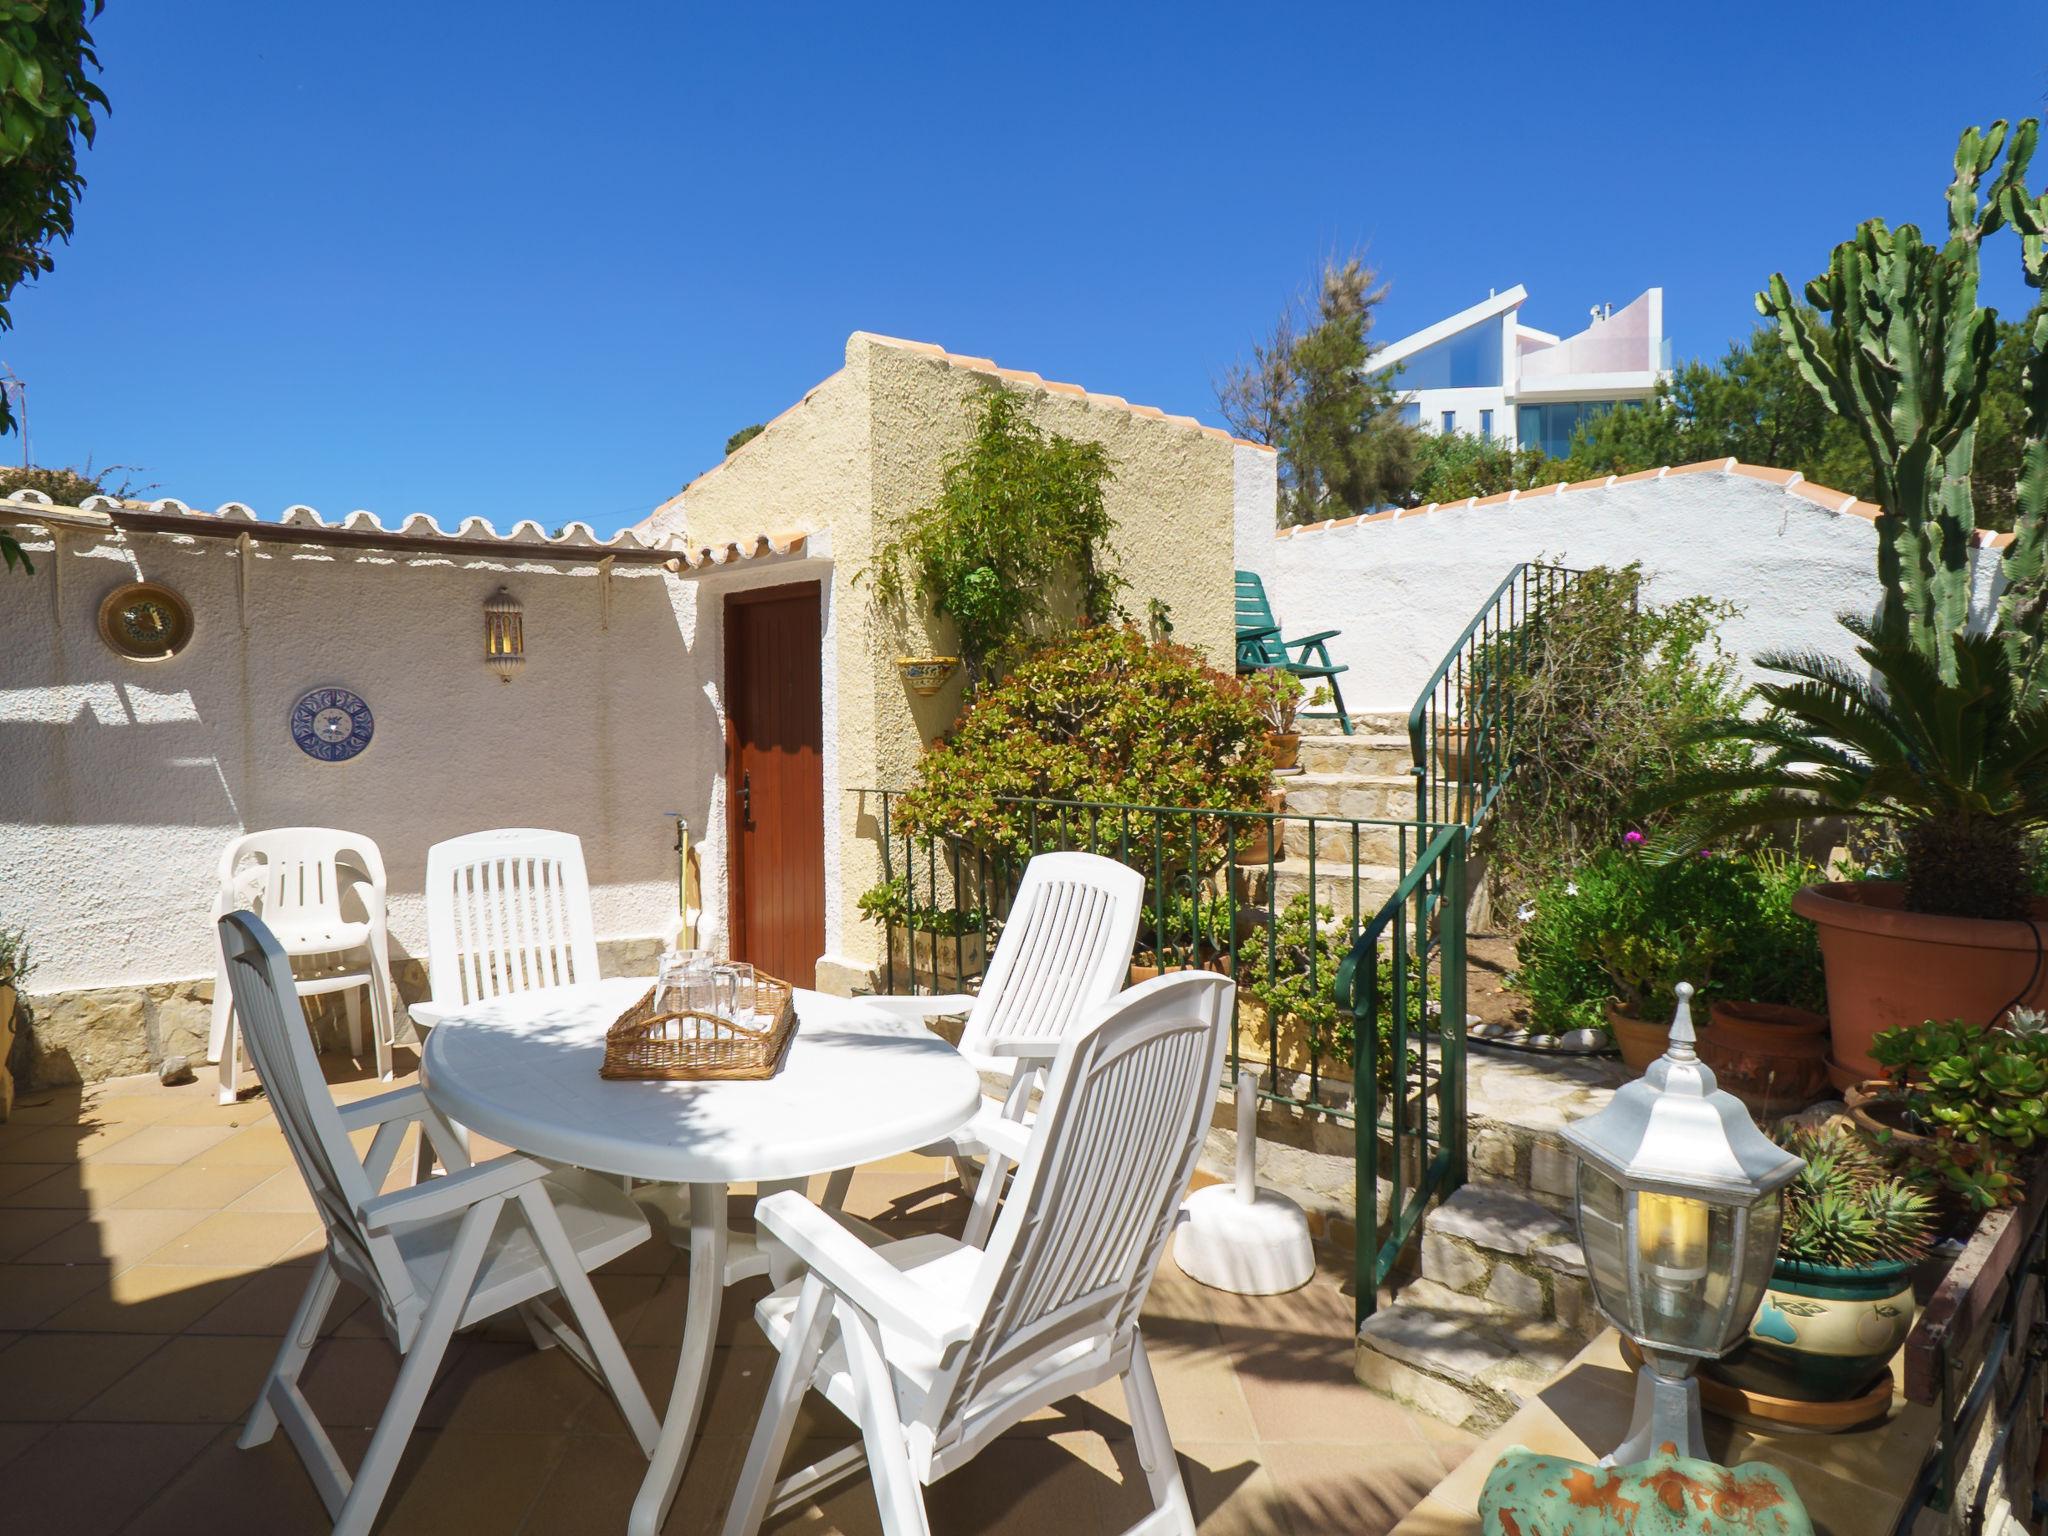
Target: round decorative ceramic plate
(145,621)
(331,724)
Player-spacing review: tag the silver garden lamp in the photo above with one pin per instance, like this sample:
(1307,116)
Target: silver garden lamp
(1678,1208)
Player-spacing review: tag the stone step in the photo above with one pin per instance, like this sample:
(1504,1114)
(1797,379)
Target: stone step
(1505,1250)
(1334,885)
(1370,722)
(1334,842)
(1355,796)
(1458,1365)
(1386,753)
(1516,1108)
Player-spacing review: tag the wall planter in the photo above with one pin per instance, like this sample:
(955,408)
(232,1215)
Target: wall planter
(1773,1058)
(926,675)
(1145,964)
(1888,968)
(1290,1048)
(943,962)
(1823,1335)
(1640,1041)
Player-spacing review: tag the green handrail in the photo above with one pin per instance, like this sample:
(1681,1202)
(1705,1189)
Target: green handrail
(1464,715)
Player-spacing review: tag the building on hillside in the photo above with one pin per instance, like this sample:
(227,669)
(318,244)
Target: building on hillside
(1483,372)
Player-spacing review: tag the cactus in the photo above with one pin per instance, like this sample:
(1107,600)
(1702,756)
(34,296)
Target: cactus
(1904,358)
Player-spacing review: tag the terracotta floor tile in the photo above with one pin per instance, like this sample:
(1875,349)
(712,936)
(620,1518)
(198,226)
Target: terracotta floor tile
(349,1380)
(46,1106)
(1361,1489)
(117,1238)
(170,1143)
(1302,1389)
(89,1479)
(592,1489)
(205,1110)
(262,1306)
(53,1375)
(196,1186)
(150,1298)
(227,1491)
(66,1143)
(489,1386)
(22,1230)
(80,1185)
(30,1294)
(1202,1396)
(283,1193)
(18,1176)
(239,1239)
(16,1438)
(450,1480)
(189,1381)
(262,1144)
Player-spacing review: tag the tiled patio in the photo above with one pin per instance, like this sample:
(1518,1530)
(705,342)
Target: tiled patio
(153,1245)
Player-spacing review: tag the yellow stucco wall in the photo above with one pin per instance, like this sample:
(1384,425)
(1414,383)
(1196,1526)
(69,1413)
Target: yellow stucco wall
(867,447)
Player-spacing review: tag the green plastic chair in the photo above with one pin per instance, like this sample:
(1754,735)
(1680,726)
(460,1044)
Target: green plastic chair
(1260,646)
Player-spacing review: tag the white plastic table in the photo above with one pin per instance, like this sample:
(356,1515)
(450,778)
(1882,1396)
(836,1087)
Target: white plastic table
(855,1086)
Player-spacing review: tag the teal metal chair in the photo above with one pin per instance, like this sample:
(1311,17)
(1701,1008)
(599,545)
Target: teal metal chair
(1260,647)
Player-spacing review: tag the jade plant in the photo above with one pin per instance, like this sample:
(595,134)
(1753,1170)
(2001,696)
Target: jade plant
(1980,1097)
(1846,1208)
(890,903)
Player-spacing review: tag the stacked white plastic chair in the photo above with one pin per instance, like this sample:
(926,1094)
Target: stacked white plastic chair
(487,1239)
(1065,951)
(321,893)
(934,1347)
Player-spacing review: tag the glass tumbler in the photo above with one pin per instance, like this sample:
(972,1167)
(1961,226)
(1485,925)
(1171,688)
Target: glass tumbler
(745,993)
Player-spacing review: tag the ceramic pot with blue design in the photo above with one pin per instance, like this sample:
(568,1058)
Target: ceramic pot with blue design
(1823,1334)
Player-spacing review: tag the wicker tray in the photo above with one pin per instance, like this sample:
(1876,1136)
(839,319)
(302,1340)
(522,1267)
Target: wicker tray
(701,1047)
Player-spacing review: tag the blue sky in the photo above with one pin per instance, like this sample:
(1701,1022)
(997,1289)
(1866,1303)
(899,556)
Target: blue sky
(526,260)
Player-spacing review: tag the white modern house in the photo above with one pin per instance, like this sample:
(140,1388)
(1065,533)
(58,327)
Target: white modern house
(1484,372)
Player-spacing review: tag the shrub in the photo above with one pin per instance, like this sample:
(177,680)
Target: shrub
(1981,1094)
(1629,927)
(1106,716)
(1600,694)
(1282,982)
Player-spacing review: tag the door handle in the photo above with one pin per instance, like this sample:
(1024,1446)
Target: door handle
(747,799)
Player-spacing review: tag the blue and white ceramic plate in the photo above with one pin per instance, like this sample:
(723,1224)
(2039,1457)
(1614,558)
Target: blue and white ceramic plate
(331,724)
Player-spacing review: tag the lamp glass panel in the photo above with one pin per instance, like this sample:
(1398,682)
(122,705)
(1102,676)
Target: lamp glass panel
(1686,1248)
(1759,1254)
(1603,1234)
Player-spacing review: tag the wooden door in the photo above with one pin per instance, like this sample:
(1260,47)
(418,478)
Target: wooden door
(775,779)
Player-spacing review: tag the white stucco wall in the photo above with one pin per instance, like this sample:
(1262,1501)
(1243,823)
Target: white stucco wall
(1401,589)
(121,782)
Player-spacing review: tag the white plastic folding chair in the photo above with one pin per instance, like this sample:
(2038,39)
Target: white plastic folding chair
(934,1347)
(489,1238)
(508,911)
(321,894)
(1065,951)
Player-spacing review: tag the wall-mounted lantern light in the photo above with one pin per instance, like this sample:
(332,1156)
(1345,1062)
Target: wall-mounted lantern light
(1678,1203)
(504,635)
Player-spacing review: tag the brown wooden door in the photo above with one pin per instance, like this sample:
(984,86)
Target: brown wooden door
(775,779)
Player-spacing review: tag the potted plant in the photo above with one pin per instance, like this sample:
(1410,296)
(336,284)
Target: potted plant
(1280,697)
(1970,1104)
(1261,840)
(941,946)
(15,966)
(1840,1302)
(1181,933)
(1766,1037)
(1940,728)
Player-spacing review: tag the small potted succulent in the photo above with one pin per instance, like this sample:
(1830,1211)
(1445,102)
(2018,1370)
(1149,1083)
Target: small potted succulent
(1840,1301)
(1971,1104)
(1279,696)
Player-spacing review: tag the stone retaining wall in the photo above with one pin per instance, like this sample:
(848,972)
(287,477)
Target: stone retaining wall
(87,1035)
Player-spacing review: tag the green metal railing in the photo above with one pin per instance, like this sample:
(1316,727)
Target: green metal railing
(1341,993)
(1461,730)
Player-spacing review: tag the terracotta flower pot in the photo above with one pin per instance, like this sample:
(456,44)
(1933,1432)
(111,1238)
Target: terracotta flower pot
(1822,1334)
(1773,1058)
(1873,1107)
(1260,841)
(1639,1041)
(1887,967)
(1287,751)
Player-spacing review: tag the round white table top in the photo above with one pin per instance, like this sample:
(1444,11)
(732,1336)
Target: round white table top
(855,1086)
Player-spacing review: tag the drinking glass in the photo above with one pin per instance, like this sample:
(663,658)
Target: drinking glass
(745,992)
(701,991)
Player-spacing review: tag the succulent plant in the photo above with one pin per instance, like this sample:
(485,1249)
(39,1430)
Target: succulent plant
(1845,1208)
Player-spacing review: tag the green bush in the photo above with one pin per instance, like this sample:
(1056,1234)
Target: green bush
(1981,1094)
(890,904)
(1599,695)
(1291,992)
(1629,927)
(1105,716)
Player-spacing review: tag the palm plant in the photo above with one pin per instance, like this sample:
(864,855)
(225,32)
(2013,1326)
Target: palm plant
(1959,768)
